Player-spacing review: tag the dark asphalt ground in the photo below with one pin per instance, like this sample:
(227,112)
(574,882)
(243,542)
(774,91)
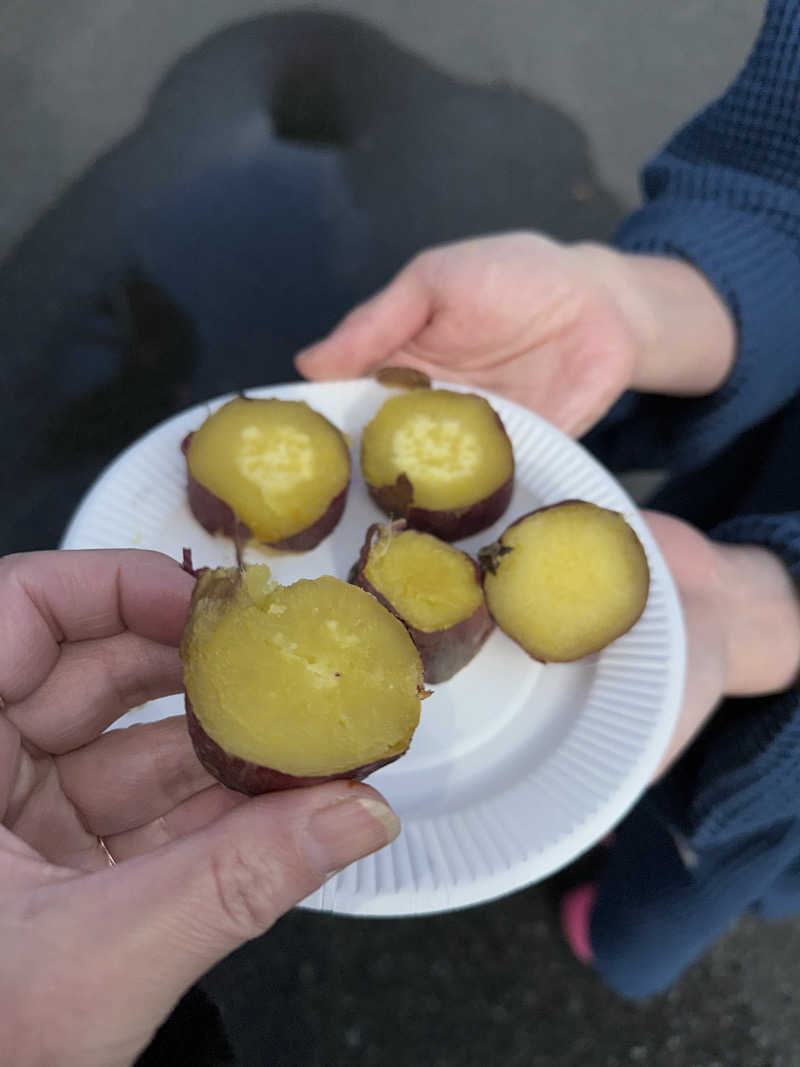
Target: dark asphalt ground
(495,985)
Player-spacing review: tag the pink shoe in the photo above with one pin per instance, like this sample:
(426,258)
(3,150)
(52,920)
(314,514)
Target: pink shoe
(576,915)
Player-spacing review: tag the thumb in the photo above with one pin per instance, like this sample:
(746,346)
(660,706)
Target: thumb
(373,331)
(161,920)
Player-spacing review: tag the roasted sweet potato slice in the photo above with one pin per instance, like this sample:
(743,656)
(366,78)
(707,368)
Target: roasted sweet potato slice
(274,470)
(566,580)
(434,588)
(441,460)
(288,686)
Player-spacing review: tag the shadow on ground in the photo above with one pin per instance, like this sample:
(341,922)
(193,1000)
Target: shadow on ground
(284,171)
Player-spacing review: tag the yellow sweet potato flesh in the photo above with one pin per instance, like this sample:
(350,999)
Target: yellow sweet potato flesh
(310,679)
(449,445)
(431,585)
(277,464)
(569,580)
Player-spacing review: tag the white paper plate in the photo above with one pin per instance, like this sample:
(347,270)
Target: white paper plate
(516,768)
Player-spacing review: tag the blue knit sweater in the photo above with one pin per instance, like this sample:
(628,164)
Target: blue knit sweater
(725,195)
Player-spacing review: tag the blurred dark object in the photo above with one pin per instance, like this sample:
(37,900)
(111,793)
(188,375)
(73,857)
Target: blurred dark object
(285,169)
(153,343)
(193,1036)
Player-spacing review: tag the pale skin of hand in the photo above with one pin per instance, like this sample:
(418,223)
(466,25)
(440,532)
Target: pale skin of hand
(94,957)
(564,330)
(561,329)
(742,616)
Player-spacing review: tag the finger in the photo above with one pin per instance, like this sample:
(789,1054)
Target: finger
(158,922)
(127,778)
(192,814)
(373,331)
(52,597)
(91,685)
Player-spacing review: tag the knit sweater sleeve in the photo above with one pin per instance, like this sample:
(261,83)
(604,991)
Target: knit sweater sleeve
(741,773)
(725,195)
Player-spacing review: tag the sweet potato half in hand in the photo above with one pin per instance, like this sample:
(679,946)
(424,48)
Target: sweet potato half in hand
(289,686)
(434,588)
(566,580)
(274,470)
(439,459)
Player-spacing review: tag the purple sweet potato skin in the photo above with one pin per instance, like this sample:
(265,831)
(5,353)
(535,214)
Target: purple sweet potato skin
(450,525)
(215,516)
(309,538)
(443,652)
(253,779)
(211,512)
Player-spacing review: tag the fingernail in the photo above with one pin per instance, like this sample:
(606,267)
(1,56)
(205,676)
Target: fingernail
(347,831)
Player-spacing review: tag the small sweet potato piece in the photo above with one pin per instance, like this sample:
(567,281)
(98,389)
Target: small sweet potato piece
(290,686)
(441,460)
(403,378)
(272,470)
(566,580)
(433,588)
